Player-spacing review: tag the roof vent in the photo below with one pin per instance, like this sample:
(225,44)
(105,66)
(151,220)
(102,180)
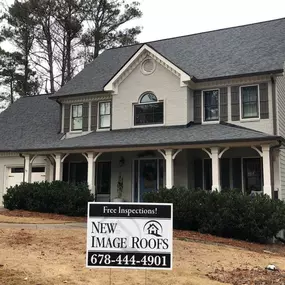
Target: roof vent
(148,66)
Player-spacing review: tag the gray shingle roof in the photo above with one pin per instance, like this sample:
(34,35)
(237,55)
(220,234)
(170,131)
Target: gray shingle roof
(248,49)
(29,123)
(32,123)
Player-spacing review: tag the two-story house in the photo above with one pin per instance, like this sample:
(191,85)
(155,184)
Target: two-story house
(205,110)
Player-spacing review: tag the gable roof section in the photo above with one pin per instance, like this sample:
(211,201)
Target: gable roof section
(144,52)
(250,49)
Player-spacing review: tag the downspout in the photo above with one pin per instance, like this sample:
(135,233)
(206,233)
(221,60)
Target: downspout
(272,148)
(274,102)
(60,115)
(24,172)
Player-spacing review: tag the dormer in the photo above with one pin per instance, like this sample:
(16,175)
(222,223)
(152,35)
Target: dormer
(85,114)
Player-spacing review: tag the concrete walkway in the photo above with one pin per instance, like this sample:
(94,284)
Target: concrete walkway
(43,226)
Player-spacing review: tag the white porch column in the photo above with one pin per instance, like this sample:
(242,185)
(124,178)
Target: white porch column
(267,189)
(28,169)
(169,168)
(216,184)
(91,172)
(58,166)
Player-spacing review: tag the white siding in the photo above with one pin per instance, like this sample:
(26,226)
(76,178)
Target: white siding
(163,83)
(15,161)
(280,86)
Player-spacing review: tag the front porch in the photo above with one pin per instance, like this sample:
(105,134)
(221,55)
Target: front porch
(251,168)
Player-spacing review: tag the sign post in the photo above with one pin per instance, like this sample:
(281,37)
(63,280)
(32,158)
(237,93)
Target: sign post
(129,235)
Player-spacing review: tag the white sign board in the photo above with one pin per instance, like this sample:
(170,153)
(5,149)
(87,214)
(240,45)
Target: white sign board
(129,235)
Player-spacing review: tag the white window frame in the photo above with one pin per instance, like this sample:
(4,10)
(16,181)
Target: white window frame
(147,103)
(98,116)
(70,119)
(202,106)
(241,104)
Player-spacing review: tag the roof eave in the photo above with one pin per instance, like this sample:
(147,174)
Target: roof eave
(266,139)
(269,72)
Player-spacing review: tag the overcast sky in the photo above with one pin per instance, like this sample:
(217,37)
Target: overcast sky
(169,18)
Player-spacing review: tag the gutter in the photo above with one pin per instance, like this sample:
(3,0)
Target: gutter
(165,144)
(270,72)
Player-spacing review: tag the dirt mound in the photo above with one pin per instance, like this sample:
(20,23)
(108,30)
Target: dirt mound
(254,276)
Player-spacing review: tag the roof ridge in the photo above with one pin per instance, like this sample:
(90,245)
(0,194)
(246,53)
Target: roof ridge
(199,33)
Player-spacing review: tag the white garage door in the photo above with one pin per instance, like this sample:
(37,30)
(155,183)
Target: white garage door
(15,175)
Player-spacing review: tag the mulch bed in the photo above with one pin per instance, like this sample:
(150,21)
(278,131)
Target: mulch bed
(263,248)
(255,276)
(27,214)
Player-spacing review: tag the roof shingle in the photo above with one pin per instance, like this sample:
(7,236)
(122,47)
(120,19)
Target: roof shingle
(249,49)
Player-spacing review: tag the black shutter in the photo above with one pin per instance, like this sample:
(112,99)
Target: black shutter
(85,112)
(66,118)
(197,106)
(94,108)
(225,173)
(235,103)
(264,108)
(198,173)
(224,104)
(236,172)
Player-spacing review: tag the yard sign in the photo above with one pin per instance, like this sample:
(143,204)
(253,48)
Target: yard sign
(129,235)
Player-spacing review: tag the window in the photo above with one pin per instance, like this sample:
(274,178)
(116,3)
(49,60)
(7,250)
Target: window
(38,169)
(249,102)
(149,111)
(211,105)
(103,181)
(17,170)
(252,170)
(76,117)
(104,115)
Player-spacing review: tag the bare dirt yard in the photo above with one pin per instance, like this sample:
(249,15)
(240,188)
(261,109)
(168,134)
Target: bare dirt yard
(27,217)
(45,257)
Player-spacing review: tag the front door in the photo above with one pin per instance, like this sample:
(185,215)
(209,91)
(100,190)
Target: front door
(150,176)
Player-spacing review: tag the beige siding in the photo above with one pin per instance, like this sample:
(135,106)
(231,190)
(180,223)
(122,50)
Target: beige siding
(163,83)
(190,105)
(280,86)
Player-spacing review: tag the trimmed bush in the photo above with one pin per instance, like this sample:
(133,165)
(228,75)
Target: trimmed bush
(229,214)
(49,197)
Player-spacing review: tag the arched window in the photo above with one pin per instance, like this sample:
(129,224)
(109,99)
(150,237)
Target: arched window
(148,98)
(148,111)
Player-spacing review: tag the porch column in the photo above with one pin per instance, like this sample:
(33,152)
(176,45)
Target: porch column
(28,169)
(169,168)
(58,167)
(91,172)
(216,184)
(267,188)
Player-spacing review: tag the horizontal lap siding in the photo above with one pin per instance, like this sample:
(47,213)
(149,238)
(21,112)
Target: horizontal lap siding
(280,84)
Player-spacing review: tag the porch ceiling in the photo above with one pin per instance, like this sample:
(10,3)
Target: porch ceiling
(157,137)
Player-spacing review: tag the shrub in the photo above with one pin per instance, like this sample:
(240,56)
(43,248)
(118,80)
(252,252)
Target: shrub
(229,214)
(49,197)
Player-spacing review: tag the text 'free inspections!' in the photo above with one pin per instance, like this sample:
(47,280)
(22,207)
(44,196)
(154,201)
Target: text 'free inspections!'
(129,235)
